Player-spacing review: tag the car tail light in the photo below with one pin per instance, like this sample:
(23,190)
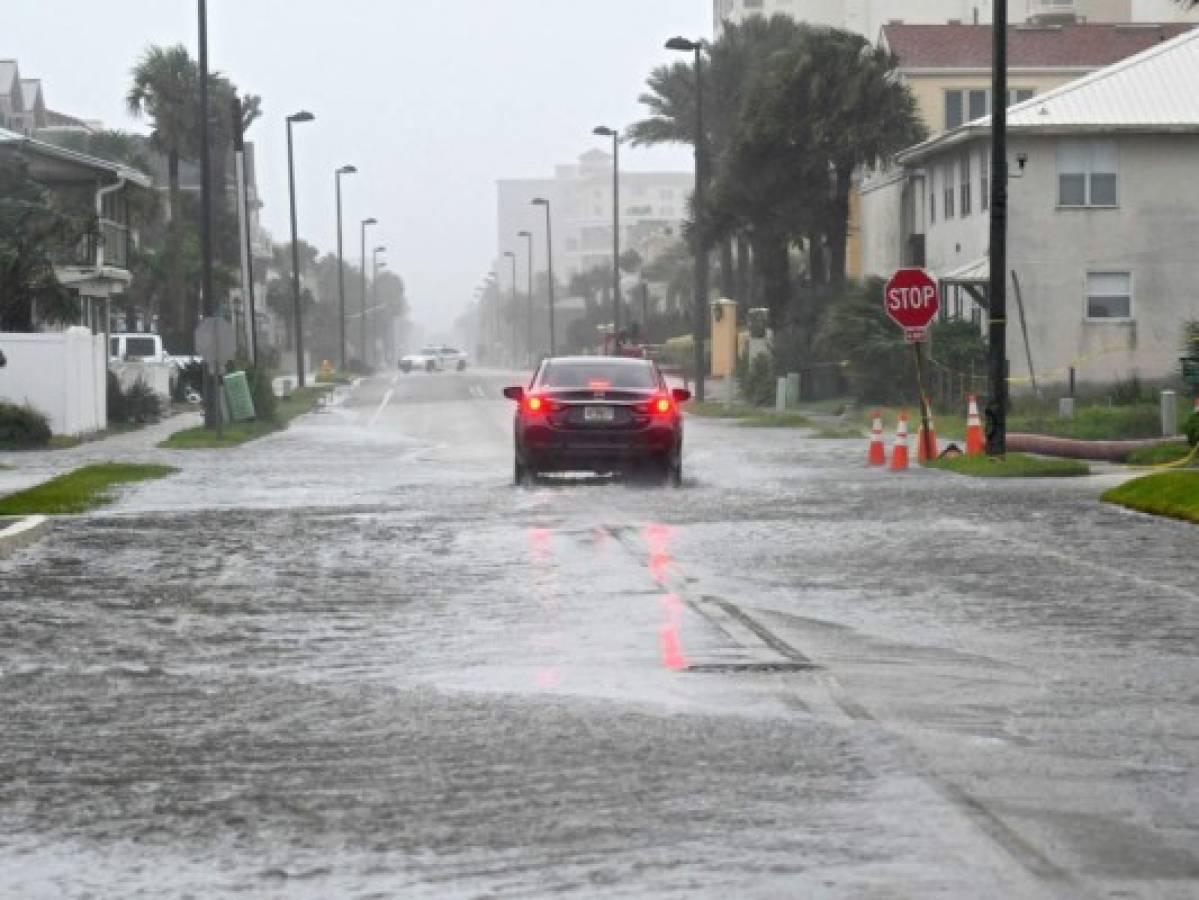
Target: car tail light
(539,406)
(661,405)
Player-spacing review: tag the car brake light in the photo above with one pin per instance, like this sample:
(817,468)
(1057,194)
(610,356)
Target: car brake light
(663,406)
(539,405)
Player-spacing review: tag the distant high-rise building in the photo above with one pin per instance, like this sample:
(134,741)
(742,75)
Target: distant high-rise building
(867,17)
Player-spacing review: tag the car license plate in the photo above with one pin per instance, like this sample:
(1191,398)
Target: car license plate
(599,414)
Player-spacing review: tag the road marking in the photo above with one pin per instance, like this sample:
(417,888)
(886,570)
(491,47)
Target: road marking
(379,411)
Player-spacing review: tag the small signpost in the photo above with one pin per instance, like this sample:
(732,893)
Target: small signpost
(912,300)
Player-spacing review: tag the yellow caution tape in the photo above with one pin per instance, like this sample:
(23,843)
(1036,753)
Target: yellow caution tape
(1177,464)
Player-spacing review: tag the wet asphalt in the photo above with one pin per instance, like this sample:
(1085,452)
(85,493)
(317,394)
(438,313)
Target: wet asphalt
(352,660)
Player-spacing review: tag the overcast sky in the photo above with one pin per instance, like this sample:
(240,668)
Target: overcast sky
(433,100)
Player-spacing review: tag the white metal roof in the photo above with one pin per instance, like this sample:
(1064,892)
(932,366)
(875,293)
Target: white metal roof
(1156,90)
(81,160)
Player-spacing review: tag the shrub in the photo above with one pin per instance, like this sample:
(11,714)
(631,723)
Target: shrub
(1192,429)
(1128,391)
(757,380)
(23,427)
(116,400)
(141,404)
(266,405)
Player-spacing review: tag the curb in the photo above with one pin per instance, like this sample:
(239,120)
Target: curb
(1104,451)
(23,533)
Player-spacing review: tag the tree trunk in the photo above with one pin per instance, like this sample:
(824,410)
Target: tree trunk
(816,262)
(171,312)
(773,264)
(745,274)
(838,231)
(728,281)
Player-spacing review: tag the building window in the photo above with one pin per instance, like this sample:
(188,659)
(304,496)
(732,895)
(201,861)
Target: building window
(1086,173)
(948,179)
(964,173)
(984,179)
(1109,296)
(967,104)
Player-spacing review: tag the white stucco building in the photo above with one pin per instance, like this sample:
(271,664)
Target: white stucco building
(1102,207)
(866,17)
(651,204)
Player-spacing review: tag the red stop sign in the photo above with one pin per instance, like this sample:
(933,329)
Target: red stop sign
(912,298)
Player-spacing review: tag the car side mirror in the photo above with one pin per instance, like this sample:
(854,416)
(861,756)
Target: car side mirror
(515,393)
(681,395)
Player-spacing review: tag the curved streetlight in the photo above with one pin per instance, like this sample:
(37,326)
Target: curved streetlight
(294,119)
(605,131)
(549,257)
(341,266)
(362,324)
(700,312)
(528,236)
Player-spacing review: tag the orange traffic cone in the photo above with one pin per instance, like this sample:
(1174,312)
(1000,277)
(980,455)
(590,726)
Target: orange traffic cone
(976,444)
(899,454)
(878,450)
(926,446)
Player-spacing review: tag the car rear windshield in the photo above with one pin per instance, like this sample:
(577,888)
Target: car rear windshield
(584,375)
(139,347)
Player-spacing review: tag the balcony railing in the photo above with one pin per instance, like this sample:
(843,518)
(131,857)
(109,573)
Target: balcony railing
(82,252)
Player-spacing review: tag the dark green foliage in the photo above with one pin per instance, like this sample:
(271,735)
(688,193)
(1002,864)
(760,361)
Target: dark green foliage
(1128,391)
(266,405)
(757,380)
(142,405)
(190,376)
(1192,429)
(116,400)
(22,427)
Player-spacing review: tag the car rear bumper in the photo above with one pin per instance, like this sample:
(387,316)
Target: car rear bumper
(559,450)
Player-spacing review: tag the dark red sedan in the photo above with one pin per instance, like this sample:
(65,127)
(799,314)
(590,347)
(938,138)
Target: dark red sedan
(598,414)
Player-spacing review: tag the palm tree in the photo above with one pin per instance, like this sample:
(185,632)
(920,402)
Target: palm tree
(165,90)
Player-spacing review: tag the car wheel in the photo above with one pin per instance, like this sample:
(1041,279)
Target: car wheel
(462,365)
(405,368)
(523,476)
(430,367)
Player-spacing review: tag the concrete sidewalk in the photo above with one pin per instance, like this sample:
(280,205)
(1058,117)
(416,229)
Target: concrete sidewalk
(25,469)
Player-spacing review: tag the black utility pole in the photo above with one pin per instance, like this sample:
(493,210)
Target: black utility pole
(549,261)
(700,312)
(212,403)
(604,131)
(295,245)
(341,269)
(997,368)
(512,256)
(362,323)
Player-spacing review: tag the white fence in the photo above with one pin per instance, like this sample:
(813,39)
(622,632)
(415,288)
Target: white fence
(61,375)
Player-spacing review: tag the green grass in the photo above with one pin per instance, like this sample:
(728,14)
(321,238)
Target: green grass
(64,442)
(770,419)
(1092,423)
(78,491)
(716,410)
(839,434)
(335,378)
(237,433)
(1161,455)
(1015,465)
(1171,494)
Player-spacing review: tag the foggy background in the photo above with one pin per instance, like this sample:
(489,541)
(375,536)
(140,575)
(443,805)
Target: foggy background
(433,101)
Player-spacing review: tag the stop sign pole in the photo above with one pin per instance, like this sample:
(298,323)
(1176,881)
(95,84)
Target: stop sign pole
(912,300)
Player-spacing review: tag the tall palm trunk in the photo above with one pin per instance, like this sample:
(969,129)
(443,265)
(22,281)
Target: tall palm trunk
(171,311)
(745,274)
(728,275)
(838,228)
(773,263)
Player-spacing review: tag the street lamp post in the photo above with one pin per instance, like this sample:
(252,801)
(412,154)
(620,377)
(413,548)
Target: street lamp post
(528,236)
(341,268)
(362,323)
(512,257)
(996,411)
(212,402)
(701,239)
(295,247)
(549,261)
(375,267)
(604,131)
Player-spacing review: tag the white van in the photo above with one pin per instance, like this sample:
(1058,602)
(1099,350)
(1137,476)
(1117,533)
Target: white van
(134,347)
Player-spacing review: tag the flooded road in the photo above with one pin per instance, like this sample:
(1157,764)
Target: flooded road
(352,660)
